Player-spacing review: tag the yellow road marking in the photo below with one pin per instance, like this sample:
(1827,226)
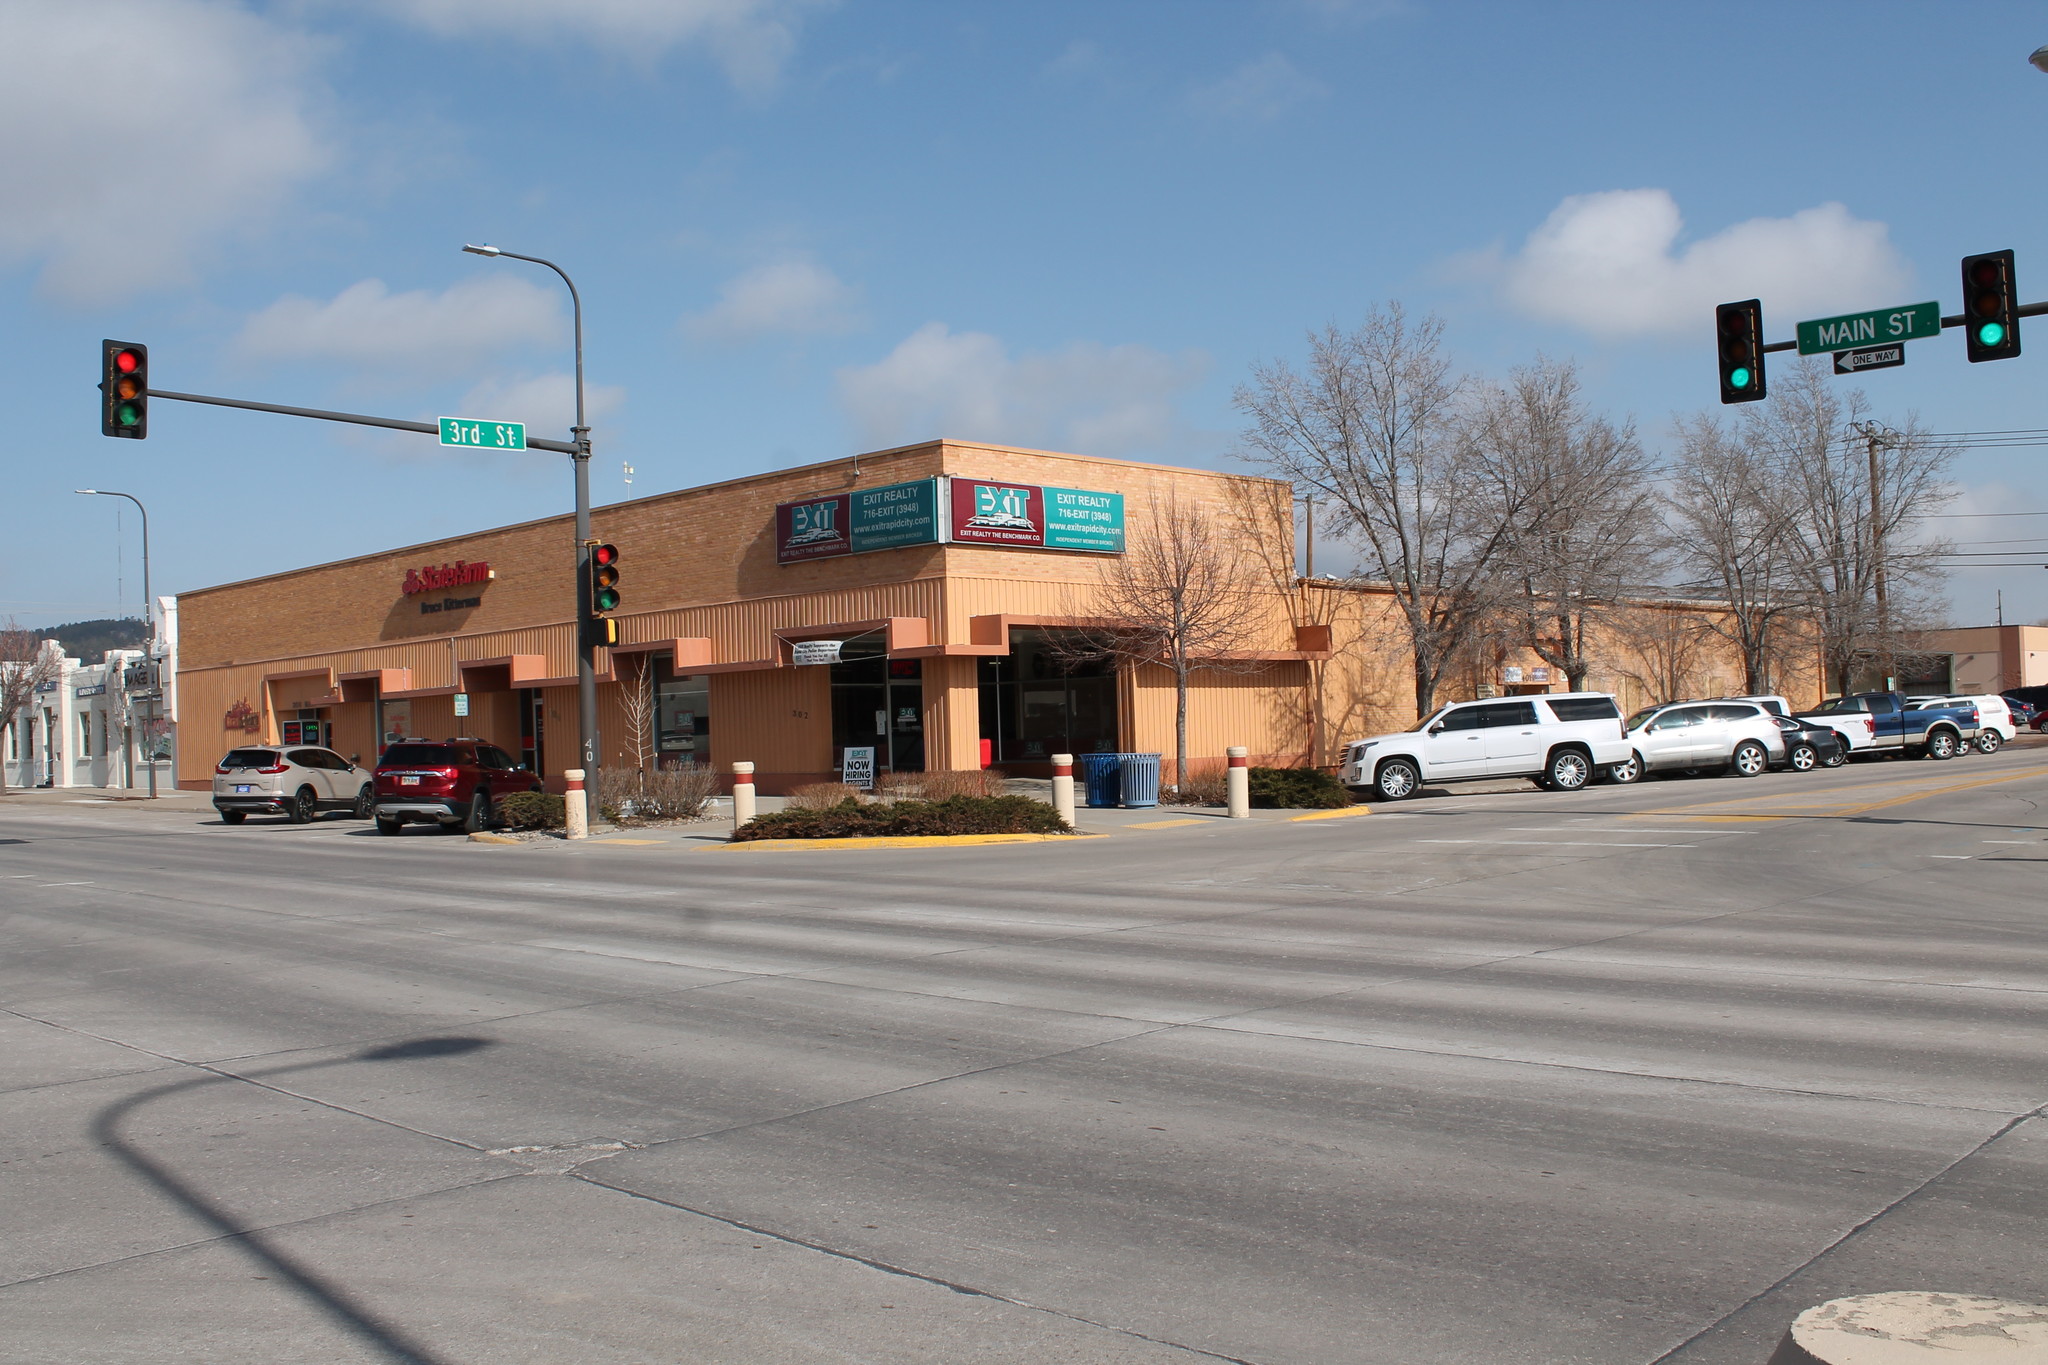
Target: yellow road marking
(1836,810)
(896,841)
(1332,814)
(1166,824)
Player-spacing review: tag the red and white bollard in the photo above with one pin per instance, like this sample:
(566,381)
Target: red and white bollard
(1239,782)
(742,793)
(575,814)
(1063,786)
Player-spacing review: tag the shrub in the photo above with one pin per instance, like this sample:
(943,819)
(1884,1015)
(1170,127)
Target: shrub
(532,810)
(1203,787)
(954,815)
(1296,789)
(634,796)
(938,786)
(823,796)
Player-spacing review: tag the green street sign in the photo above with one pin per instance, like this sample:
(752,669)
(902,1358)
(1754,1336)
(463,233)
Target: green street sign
(483,435)
(1909,322)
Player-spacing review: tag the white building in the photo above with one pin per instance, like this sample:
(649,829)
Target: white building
(96,725)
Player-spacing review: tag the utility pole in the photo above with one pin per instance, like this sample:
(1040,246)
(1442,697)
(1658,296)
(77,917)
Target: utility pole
(1876,434)
(586,647)
(149,627)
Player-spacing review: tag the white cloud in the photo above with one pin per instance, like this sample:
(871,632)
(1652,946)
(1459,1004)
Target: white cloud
(545,402)
(138,136)
(751,39)
(796,296)
(1611,263)
(1104,400)
(1259,91)
(421,333)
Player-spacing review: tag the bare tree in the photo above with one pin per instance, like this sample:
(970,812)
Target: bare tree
(1665,641)
(636,701)
(1580,515)
(25,665)
(1370,429)
(1732,521)
(1184,595)
(1856,494)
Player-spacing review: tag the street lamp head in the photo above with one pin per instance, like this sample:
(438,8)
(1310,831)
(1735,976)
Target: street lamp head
(85,490)
(484,250)
(2040,58)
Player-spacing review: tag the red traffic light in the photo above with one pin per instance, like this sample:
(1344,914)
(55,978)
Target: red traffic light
(127,361)
(124,389)
(602,555)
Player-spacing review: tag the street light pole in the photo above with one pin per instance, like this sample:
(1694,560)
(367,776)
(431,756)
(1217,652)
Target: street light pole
(148,618)
(586,663)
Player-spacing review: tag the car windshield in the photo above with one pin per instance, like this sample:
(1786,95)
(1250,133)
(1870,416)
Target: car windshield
(1641,717)
(249,758)
(419,755)
(1419,726)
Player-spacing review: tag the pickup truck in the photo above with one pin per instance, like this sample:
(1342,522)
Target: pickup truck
(1886,722)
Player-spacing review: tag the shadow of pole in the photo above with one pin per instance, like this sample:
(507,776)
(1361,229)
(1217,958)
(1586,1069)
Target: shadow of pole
(388,1340)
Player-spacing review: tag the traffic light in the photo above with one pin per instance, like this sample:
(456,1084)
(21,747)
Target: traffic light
(1739,333)
(124,389)
(604,579)
(1991,322)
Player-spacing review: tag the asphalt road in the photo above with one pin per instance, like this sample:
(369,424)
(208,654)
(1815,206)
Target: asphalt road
(1626,1075)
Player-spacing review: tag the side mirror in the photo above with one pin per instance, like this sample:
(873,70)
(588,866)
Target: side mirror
(1652,728)
(1437,728)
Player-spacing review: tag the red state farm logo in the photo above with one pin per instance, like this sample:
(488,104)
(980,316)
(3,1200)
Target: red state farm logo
(459,574)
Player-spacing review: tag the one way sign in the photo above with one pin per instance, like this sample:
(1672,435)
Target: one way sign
(1869,358)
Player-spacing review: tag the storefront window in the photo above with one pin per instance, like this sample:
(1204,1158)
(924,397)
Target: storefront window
(1039,701)
(878,703)
(396,722)
(682,716)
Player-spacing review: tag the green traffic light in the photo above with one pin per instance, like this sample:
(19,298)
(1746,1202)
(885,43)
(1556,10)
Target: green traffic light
(607,599)
(127,415)
(1739,377)
(1991,334)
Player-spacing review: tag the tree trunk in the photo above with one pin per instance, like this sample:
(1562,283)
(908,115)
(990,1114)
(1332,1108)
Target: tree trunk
(1180,724)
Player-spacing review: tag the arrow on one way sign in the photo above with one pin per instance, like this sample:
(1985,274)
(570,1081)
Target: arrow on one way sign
(1869,358)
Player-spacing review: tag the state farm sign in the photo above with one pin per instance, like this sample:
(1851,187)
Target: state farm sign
(459,574)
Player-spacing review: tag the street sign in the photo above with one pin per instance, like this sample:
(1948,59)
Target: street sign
(462,703)
(1908,322)
(482,434)
(1869,358)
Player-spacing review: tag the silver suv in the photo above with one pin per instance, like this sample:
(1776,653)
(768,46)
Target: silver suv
(295,781)
(1739,736)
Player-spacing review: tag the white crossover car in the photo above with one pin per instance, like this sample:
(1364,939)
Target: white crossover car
(1561,740)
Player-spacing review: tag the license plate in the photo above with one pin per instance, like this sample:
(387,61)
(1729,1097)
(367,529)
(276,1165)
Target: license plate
(408,781)
(241,791)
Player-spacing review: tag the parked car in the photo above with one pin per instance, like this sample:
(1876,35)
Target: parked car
(1995,723)
(1561,740)
(295,781)
(1809,745)
(2024,714)
(453,783)
(1739,736)
(1771,702)
(1938,731)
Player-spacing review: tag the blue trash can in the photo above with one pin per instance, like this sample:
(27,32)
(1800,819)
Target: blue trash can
(1140,776)
(1100,774)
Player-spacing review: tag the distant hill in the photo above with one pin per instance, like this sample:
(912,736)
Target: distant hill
(89,641)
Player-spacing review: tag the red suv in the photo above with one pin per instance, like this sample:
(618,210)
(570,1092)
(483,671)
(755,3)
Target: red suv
(452,783)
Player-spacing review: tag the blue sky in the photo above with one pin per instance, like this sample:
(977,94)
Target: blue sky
(803,229)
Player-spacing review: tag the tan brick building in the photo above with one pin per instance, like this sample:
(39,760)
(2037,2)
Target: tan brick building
(947,656)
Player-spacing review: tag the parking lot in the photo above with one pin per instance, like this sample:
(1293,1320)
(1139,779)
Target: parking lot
(1617,1075)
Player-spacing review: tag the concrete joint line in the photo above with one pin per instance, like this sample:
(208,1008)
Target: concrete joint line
(904,1272)
(1855,1230)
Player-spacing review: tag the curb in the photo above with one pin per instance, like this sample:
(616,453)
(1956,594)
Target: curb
(1343,814)
(495,839)
(900,841)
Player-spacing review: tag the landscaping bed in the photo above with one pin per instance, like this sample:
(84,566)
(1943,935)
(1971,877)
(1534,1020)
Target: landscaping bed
(854,819)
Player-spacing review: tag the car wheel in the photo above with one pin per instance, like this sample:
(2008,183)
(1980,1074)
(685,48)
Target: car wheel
(479,813)
(1622,774)
(387,825)
(1749,759)
(233,817)
(1803,758)
(1989,742)
(1569,770)
(1396,780)
(1941,745)
(1835,759)
(305,806)
(366,802)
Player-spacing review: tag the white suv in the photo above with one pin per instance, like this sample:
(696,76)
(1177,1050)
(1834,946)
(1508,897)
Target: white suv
(1740,736)
(1561,740)
(1994,716)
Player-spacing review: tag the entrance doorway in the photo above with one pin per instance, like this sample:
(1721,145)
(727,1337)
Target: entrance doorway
(878,703)
(533,718)
(1042,699)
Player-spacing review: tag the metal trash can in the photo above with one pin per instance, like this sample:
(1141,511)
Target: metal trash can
(1140,776)
(1101,774)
